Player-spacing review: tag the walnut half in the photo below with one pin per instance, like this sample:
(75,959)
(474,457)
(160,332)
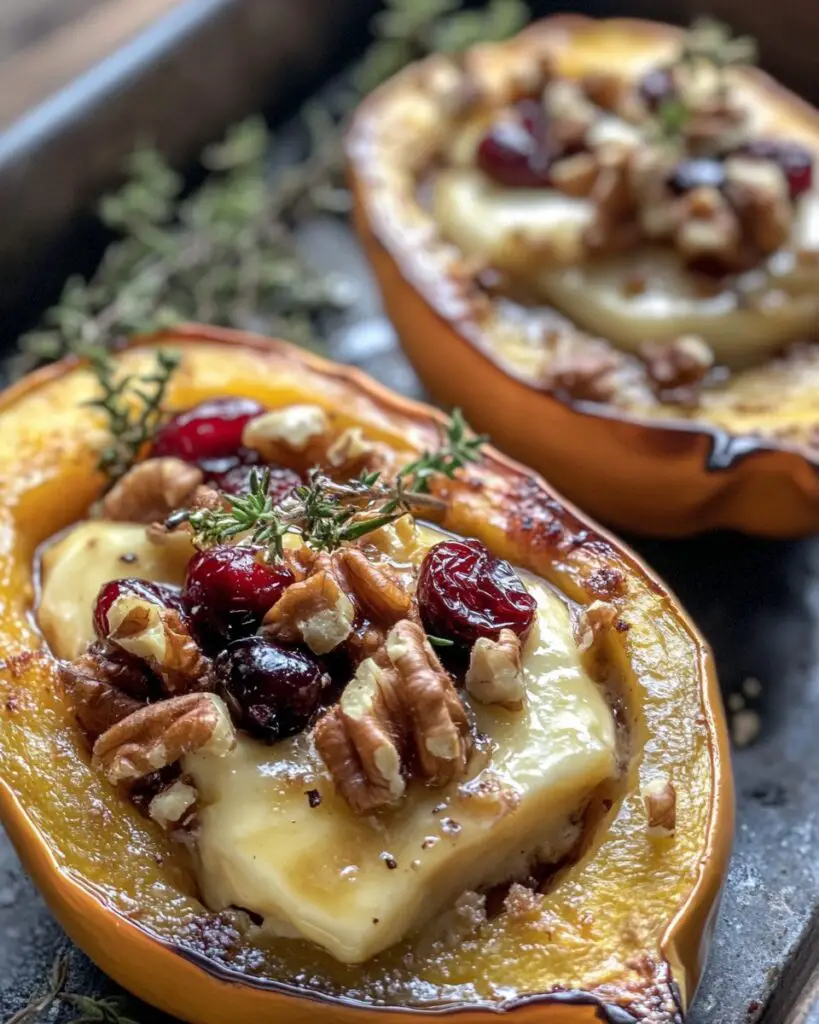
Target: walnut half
(158,735)
(151,490)
(160,637)
(358,741)
(391,719)
(495,673)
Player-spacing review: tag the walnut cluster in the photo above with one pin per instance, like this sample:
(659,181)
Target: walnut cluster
(727,213)
(390,717)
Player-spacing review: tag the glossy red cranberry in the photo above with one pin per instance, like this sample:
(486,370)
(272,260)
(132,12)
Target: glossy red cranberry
(237,480)
(516,149)
(465,592)
(795,161)
(272,691)
(228,590)
(655,87)
(212,430)
(131,586)
(696,173)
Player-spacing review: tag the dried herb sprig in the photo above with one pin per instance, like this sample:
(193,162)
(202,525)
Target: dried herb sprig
(707,43)
(133,407)
(327,514)
(228,254)
(107,1010)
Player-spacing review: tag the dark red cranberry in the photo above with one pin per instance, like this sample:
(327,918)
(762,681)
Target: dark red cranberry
(655,87)
(212,430)
(795,161)
(125,672)
(228,590)
(237,480)
(516,149)
(216,470)
(131,586)
(465,592)
(697,173)
(272,691)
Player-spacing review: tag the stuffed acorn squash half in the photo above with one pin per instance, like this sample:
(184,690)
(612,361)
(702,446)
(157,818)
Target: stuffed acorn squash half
(320,703)
(601,240)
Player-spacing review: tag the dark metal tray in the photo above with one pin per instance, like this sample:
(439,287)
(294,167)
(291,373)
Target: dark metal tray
(757,602)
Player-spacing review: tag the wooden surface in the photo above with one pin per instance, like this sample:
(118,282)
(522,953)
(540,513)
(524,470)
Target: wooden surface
(44,44)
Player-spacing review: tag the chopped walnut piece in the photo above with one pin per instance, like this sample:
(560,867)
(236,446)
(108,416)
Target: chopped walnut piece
(660,799)
(170,806)
(98,703)
(575,175)
(161,638)
(605,88)
(352,452)
(294,436)
(316,610)
(159,735)
(151,490)
(571,114)
(584,372)
(390,717)
(592,622)
(677,368)
(709,228)
(758,191)
(377,587)
(495,673)
(358,742)
(435,716)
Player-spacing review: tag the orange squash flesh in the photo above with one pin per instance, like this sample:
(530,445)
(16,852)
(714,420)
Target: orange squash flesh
(626,926)
(745,458)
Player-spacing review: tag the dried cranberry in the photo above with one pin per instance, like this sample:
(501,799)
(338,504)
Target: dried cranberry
(794,160)
(465,592)
(228,590)
(698,173)
(237,480)
(655,87)
(211,430)
(125,672)
(131,586)
(516,149)
(272,691)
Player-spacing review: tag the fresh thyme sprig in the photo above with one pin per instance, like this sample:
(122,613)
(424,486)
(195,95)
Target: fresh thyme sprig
(327,514)
(133,407)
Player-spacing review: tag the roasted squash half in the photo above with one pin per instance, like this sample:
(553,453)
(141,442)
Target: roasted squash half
(557,331)
(622,930)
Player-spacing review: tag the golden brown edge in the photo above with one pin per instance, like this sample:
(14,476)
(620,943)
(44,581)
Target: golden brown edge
(725,448)
(685,939)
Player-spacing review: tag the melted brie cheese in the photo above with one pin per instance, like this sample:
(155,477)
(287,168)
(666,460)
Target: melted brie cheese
(356,885)
(75,567)
(509,226)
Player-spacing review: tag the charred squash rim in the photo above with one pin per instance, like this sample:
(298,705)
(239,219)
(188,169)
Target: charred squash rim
(720,449)
(683,941)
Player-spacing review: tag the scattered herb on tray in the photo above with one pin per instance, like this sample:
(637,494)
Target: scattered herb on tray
(228,253)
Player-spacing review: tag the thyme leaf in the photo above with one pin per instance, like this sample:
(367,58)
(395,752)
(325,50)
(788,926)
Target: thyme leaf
(133,407)
(327,514)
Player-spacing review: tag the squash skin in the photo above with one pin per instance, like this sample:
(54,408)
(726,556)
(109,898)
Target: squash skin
(543,534)
(666,475)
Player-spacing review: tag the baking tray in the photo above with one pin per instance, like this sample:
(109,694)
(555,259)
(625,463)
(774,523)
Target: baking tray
(757,601)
